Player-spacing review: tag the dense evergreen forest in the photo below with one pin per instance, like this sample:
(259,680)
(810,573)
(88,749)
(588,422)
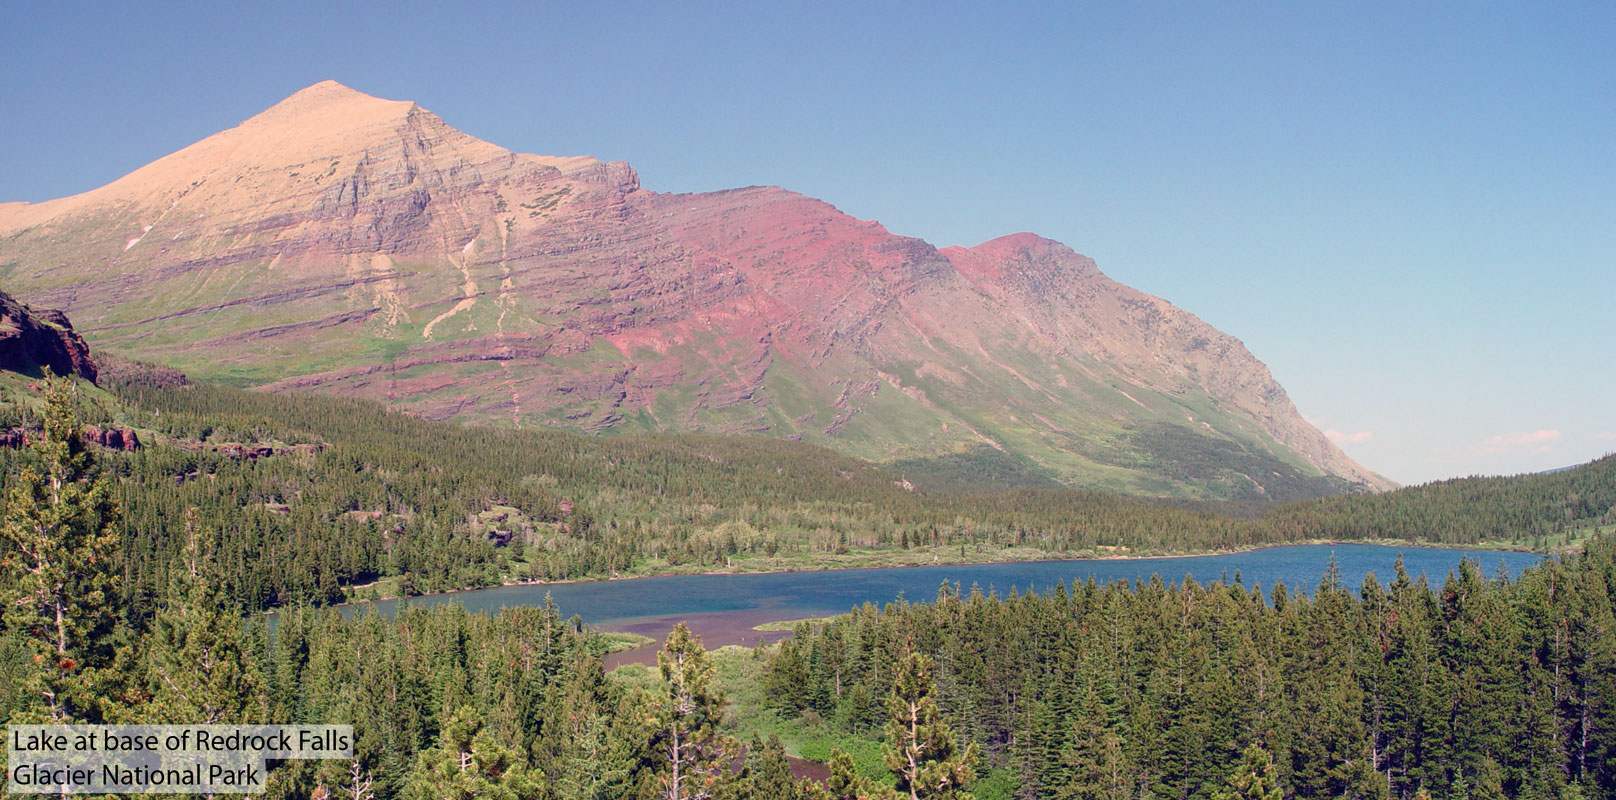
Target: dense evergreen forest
(307,498)
(1482,687)
(1478,688)
(445,704)
(310,494)
(1537,509)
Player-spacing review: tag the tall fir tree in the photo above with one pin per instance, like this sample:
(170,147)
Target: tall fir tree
(583,755)
(921,750)
(469,765)
(198,669)
(1090,758)
(59,540)
(1255,779)
(768,772)
(693,757)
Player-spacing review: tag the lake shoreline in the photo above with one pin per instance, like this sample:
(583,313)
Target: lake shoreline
(834,567)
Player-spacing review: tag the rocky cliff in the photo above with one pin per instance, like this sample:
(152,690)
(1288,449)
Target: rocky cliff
(31,339)
(343,243)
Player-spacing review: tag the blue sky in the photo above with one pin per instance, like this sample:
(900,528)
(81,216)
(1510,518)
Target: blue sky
(1407,210)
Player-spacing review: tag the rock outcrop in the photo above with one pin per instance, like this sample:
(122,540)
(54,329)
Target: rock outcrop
(250,451)
(32,339)
(343,243)
(113,438)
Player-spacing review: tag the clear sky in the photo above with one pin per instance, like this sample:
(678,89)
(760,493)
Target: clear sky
(1407,210)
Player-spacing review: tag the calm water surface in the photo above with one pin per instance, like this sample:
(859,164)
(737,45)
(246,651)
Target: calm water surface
(723,608)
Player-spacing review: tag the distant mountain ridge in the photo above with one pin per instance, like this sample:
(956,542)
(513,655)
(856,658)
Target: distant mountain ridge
(342,243)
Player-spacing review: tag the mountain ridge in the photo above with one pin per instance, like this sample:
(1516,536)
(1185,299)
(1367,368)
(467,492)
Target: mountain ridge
(349,244)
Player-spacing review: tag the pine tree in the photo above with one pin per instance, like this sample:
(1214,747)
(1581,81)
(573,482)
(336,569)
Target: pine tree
(1036,756)
(360,785)
(197,666)
(845,783)
(583,756)
(685,721)
(768,773)
(59,540)
(786,681)
(1256,778)
(469,765)
(1090,760)
(920,748)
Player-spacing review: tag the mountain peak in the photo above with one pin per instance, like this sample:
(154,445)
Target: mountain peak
(1014,241)
(332,104)
(329,93)
(346,131)
(337,234)
(329,88)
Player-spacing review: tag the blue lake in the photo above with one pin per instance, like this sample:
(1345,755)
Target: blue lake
(793,595)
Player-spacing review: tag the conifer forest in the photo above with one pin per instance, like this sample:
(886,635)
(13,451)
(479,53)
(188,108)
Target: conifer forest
(136,585)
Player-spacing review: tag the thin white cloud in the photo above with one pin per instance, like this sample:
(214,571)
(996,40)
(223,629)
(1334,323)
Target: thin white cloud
(1522,439)
(1539,441)
(1357,437)
(1607,435)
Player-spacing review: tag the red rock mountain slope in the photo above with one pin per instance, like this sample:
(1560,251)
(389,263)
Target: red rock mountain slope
(32,340)
(342,243)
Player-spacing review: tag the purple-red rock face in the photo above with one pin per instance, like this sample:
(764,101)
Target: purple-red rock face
(343,243)
(31,339)
(113,438)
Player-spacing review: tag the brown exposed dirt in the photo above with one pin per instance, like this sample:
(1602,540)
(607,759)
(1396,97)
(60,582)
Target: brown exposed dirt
(717,629)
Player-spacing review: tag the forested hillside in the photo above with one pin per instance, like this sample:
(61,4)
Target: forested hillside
(349,492)
(1536,509)
(308,498)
